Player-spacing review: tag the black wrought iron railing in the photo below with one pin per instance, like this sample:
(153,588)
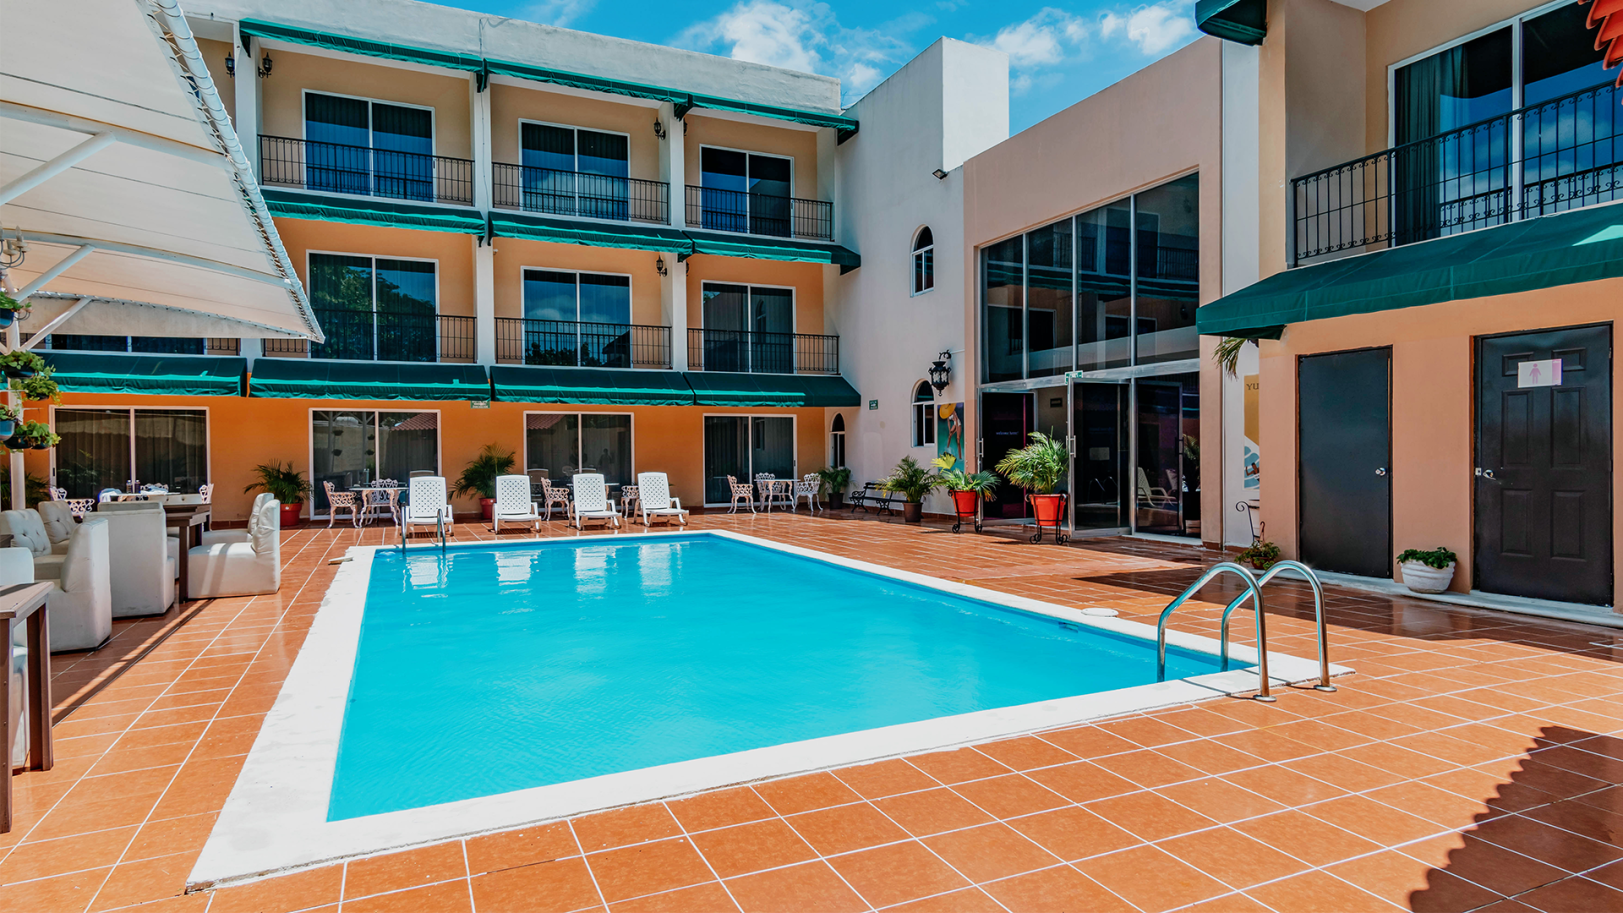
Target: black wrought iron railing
(759,214)
(1537,160)
(763,353)
(577,193)
(582,345)
(147,345)
(384,336)
(336,168)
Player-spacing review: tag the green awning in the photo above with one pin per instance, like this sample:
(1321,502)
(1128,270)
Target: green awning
(775,249)
(1243,21)
(258,29)
(1581,246)
(302,378)
(607,386)
(369,211)
(846,127)
(172,375)
(716,388)
(591,234)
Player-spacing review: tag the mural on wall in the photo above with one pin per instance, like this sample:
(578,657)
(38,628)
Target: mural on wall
(949,430)
(1252,457)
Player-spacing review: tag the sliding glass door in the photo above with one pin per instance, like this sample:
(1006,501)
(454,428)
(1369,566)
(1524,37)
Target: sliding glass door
(100,447)
(564,443)
(350,448)
(742,446)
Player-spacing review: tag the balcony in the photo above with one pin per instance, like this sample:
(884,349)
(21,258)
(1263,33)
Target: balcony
(384,336)
(577,193)
(566,343)
(1538,160)
(762,353)
(759,214)
(363,171)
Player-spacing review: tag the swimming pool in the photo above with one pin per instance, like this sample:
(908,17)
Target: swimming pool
(490,687)
(496,668)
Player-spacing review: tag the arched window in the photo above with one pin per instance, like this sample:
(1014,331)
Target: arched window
(836,442)
(923,415)
(923,261)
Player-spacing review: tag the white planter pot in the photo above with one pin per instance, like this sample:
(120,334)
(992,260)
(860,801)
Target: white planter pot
(1423,578)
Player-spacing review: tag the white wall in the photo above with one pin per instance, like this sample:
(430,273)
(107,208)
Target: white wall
(947,104)
(1241,267)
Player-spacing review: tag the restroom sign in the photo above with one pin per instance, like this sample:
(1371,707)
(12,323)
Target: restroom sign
(1546,373)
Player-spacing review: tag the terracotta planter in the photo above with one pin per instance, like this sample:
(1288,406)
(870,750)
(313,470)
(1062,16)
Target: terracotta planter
(965,502)
(487,508)
(912,511)
(1423,578)
(290,514)
(1047,508)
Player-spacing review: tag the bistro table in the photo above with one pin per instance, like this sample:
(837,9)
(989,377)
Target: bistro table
(363,489)
(189,520)
(771,488)
(24,603)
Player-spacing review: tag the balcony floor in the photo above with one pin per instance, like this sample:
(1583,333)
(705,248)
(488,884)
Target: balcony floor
(1474,757)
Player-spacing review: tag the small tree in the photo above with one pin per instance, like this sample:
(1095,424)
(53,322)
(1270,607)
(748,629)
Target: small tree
(285,483)
(480,475)
(911,481)
(1038,466)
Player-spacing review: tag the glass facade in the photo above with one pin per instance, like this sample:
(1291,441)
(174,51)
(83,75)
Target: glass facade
(743,446)
(350,448)
(373,308)
(564,443)
(127,448)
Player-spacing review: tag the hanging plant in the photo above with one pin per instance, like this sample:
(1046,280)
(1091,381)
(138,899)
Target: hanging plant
(9,308)
(9,418)
(32,436)
(38,387)
(21,363)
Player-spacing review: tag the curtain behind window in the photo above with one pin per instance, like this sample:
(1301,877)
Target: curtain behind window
(337,133)
(94,452)
(552,442)
(605,443)
(726,453)
(407,441)
(406,326)
(772,447)
(725,339)
(341,293)
(171,448)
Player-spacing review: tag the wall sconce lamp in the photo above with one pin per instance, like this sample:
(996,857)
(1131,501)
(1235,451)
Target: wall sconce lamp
(265,65)
(939,174)
(231,65)
(659,128)
(659,265)
(941,372)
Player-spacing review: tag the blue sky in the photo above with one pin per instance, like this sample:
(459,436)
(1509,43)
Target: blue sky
(1059,53)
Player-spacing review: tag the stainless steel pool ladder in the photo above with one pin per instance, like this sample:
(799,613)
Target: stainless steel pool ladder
(439,527)
(1252,589)
(1318,614)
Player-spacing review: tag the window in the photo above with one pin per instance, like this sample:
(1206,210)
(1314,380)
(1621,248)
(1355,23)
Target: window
(923,261)
(923,415)
(564,443)
(574,172)
(349,448)
(127,448)
(744,446)
(373,308)
(836,442)
(745,191)
(748,328)
(353,145)
(150,345)
(578,319)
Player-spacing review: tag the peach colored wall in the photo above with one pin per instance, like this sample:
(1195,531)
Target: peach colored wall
(1432,407)
(514,255)
(800,145)
(805,278)
(282,95)
(454,253)
(510,104)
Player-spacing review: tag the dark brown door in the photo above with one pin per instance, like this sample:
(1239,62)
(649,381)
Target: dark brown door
(1345,448)
(1006,419)
(1544,466)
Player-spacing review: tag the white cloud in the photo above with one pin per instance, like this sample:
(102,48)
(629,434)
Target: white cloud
(1154,29)
(556,12)
(1047,39)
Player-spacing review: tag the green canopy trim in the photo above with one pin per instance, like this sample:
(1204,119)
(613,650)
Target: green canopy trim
(758,249)
(845,126)
(605,386)
(302,378)
(715,388)
(366,211)
(1585,245)
(312,38)
(591,234)
(1242,21)
(173,375)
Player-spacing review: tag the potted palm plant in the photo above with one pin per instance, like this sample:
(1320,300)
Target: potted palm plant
(480,476)
(967,489)
(835,479)
(912,482)
(1427,571)
(286,484)
(1038,468)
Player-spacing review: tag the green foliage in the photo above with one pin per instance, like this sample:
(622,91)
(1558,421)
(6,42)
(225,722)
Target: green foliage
(8,303)
(911,481)
(285,483)
(22,360)
(8,414)
(1038,466)
(955,479)
(480,476)
(31,435)
(1260,556)
(1227,354)
(39,387)
(1439,558)
(37,490)
(835,479)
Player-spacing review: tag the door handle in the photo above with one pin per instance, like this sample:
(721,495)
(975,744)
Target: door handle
(1381,471)
(1487,474)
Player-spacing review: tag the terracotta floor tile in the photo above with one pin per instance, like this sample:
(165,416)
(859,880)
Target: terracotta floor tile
(1547,844)
(510,849)
(1574,895)
(449,897)
(846,828)
(746,848)
(1149,815)
(1433,804)
(1090,742)
(145,880)
(813,886)
(1227,903)
(896,873)
(968,900)
(1074,833)
(1026,753)
(1371,725)
(720,809)
(1308,839)
(283,894)
(1232,857)
(886,778)
(1317,891)
(42,858)
(624,826)
(1480,862)
(931,812)
(1146,731)
(1010,796)
(1412,884)
(1083,781)
(1151,879)
(1220,800)
(1398,760)
(64,893)
(1060,889)
(1148,768)
(708,897)
(1284,785)
(409,869)
(958,766)
(1267,745)
(989,852)
(1201,721)
(1383,824)
(647,868)
(1210,757)
(803,794)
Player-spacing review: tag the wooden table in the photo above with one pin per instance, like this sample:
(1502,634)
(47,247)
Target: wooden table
(17,603)
(189,519)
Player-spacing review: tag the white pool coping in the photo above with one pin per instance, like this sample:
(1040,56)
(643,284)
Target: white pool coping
(275,820)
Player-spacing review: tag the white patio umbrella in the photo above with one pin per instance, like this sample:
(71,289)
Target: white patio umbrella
(122,176)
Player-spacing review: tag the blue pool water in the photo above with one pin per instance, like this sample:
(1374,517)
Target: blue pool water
(490,669)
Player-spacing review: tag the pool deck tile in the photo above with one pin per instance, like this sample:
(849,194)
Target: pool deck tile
(1471,763)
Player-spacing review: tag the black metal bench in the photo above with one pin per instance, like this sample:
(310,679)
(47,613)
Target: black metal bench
(872,495)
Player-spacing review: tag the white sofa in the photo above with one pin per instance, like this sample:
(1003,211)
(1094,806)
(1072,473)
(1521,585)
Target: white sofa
(142,565)
(108,508)
(81,605)
(249,568)
(17,566)
(214,536)
(59,522)
(28,531)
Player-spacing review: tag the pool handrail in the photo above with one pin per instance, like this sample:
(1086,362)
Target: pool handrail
(1318,614)
(1252,589)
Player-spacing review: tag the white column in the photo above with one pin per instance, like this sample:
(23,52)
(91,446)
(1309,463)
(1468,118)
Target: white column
(672,167)
(245,86)
(19,477)
(479,105)
(673,301)
(484,300)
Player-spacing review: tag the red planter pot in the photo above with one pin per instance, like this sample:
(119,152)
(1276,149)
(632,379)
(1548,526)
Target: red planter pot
(487,507)
(966,506)
(1048,508)
(290,514)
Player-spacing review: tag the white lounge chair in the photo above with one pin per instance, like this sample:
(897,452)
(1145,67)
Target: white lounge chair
(654,498)
(143,569)
(251,568)
(514,504)
(28,531)
(427,507)
(81,605)
(591,501)
(228,536)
